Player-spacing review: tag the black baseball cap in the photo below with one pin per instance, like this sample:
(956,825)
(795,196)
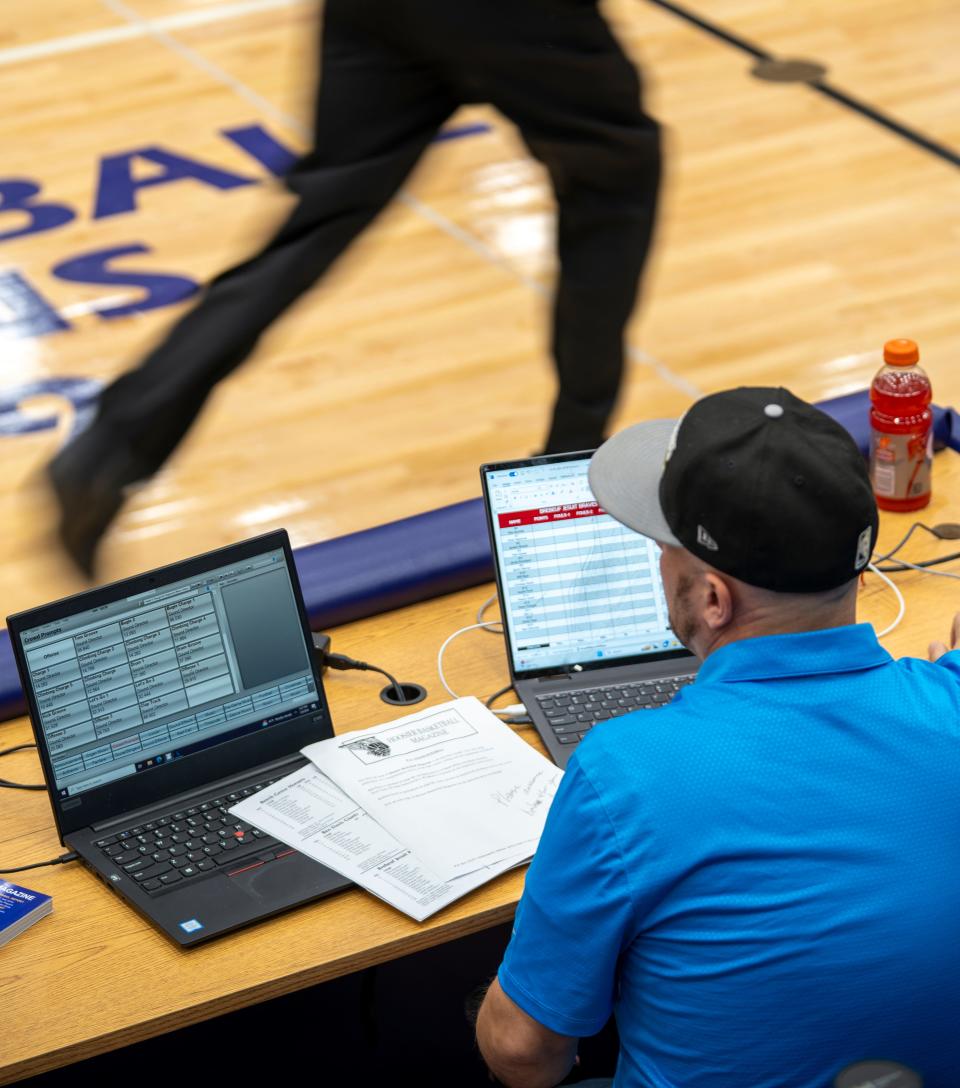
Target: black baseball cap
(754,481)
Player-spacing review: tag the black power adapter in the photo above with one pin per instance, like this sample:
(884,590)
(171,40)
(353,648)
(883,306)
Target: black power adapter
(321,647)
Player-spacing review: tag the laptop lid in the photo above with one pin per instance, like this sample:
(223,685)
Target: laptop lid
(169,680)
(578,590)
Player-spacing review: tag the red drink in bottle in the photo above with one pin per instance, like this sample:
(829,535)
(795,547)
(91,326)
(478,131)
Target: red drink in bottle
(901,440)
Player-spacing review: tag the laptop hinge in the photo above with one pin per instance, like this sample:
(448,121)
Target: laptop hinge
(181,799)
(573,673)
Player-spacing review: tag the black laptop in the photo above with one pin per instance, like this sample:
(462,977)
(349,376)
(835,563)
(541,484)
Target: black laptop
(160,701)
(584,611)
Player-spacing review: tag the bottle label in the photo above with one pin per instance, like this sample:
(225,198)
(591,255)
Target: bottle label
(900,464)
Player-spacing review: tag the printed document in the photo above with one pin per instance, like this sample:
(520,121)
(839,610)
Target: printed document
(452,783)
(310,813)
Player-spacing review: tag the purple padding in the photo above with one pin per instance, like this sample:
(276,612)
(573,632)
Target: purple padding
(427,555)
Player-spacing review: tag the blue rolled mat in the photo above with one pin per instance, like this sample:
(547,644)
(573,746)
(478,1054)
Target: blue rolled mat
(12,704)
(396,564)
(429,554)
(853,412)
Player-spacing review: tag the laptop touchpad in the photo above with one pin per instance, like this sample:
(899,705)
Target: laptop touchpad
(286,879)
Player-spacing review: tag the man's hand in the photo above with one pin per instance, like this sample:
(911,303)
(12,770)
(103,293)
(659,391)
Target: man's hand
(519,1050)
(937,649)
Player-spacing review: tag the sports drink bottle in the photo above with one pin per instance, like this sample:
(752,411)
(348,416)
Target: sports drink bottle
(901,429)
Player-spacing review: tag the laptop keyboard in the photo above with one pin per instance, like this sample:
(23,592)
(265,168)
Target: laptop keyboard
(185,844)
(572,714)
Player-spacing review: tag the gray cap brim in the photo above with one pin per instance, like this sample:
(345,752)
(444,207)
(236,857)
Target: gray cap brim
(625,477)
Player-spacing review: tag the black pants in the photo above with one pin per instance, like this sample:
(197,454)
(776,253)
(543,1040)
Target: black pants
(392,72)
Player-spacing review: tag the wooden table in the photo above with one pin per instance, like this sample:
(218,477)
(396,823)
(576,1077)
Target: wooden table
(94,976)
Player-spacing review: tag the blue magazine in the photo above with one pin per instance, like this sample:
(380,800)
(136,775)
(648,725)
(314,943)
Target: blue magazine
(20,908)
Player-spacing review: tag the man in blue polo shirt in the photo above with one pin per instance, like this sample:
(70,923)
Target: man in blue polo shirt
(761,880)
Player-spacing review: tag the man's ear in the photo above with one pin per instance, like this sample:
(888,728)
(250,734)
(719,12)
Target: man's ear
(717,611)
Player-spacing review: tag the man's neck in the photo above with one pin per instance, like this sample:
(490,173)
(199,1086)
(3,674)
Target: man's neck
(760,620)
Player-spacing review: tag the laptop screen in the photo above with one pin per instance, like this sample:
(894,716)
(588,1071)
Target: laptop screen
(168,672)
(576,586)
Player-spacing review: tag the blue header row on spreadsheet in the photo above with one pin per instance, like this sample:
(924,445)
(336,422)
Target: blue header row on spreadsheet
(131,684)
(576,585)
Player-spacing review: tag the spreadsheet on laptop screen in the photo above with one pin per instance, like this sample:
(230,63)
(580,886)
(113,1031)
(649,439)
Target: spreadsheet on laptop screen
(576,584)
(142,681)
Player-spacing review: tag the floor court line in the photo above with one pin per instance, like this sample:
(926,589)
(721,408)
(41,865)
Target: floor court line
(447,226)
(855,105)
(75,43)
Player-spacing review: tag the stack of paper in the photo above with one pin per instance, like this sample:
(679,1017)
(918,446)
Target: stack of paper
(419,811)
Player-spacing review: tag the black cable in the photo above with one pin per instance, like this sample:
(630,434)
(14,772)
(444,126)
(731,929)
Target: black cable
(366,667)
(896,567)
(403,694)
(517,719)
(16,748)
(6,784)
(343,663)
(490,700)
(943,531)
(893,551)
(62,860)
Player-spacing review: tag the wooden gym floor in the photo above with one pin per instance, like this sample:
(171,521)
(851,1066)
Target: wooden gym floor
(798,233)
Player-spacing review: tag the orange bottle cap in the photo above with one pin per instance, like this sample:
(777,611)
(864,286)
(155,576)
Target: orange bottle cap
(900,352)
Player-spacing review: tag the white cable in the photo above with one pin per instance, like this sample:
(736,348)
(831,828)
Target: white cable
(446,643)
(495,627)
(509,711)
(903,606)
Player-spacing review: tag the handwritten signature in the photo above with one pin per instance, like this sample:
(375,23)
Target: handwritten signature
(527,796)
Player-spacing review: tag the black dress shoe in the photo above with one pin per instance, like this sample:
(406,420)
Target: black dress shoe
(88,477)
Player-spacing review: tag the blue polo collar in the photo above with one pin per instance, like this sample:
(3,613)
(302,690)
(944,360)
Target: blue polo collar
(808,653)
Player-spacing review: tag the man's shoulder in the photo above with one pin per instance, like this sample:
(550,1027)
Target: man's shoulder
(708,722)
(934,690)
(944,672)
(922,679)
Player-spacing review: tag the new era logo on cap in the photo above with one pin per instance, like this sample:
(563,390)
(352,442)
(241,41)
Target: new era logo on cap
(706,540)
(863,549)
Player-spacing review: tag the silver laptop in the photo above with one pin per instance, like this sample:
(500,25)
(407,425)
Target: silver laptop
(160,701)
(584,612)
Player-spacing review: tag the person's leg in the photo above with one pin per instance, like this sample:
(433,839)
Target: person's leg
(377,110)
(566,83)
